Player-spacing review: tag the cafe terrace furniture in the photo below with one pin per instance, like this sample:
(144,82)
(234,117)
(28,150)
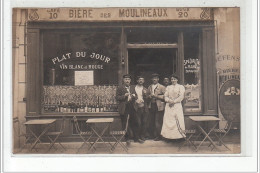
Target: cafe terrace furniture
(46,123)
(54,135)
(119,136)
(221,133)
(99,131)
(186,134)
(200,119)
(84,135)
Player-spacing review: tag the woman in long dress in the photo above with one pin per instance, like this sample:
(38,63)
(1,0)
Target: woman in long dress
(173,96)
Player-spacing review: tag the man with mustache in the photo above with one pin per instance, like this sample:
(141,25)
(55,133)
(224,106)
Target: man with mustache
(125,96)
(156,107)
(141,109)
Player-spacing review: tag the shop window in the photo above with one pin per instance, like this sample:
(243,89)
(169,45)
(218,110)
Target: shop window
(192,72)
(80,71)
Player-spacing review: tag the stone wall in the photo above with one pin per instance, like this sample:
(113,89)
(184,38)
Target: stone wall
(19,72)
(227,21)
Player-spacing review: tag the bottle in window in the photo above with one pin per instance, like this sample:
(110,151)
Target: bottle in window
(89,108)
(86,107)
(101,108)
(97,108)
(105,108)
(92,108)
(69,107)
(78,107)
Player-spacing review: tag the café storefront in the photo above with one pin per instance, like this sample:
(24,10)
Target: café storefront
(76,58)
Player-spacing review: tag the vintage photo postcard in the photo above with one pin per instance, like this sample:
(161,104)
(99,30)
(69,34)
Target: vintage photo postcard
(127,81)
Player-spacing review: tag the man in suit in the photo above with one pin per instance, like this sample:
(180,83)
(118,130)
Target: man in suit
(125,97)
(156,107)
(141,109)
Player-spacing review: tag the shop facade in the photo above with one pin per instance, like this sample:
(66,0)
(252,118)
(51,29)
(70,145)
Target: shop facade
(74,59)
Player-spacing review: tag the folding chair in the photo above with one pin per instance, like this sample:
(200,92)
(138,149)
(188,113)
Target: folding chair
(53,136)
(119,135)
(85,136)
(186,134)
(221,133)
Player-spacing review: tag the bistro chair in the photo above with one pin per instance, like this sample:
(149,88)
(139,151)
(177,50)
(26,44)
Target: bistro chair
(85,136)
(119,135)
(186,134)
(221,133)
(53,136)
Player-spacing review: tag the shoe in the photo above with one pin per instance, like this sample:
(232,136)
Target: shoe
(139,141)
(143,139)
(128,142)
(157,139)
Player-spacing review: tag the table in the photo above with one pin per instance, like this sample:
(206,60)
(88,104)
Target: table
(198,120)
(42,122)
(99,133)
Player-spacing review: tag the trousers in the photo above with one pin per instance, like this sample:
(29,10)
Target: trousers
(141,123)
(129,110)
(156,121)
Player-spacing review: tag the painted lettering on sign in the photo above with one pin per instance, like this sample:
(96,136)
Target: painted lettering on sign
(62,58)
(118,14)
(183,12)
(93,55)
(228,58)
(81,67)
(143,12)
(191,65)
(80,13)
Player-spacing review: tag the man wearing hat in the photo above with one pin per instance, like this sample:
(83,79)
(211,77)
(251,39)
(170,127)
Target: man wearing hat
(156,107)
(125,96)
(141,109)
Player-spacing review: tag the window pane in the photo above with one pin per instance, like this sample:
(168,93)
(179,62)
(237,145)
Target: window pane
(80,71)
(63,54)
(192,72)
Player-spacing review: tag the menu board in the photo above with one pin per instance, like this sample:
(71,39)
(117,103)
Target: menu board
(84,77)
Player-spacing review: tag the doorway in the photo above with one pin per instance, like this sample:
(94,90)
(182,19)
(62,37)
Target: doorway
(146,61)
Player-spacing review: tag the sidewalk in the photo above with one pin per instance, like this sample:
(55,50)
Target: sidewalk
(149,147)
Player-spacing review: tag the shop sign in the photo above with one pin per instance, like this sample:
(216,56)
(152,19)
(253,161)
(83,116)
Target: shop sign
(119,14)
(229,100)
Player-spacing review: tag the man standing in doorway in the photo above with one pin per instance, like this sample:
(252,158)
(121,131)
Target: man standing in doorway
(156,105)
(166,81)
(141,109)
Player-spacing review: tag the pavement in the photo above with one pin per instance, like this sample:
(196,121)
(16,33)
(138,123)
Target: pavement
(148,147)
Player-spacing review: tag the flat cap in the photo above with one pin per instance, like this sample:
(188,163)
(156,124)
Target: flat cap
(126,76)
(138,77)
(155,75)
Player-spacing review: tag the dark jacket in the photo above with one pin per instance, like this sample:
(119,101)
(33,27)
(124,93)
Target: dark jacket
(122,99)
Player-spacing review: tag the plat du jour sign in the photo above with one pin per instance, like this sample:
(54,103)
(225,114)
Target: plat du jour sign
(119,14)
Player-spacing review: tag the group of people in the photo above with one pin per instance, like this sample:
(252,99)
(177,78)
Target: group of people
(152,111)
